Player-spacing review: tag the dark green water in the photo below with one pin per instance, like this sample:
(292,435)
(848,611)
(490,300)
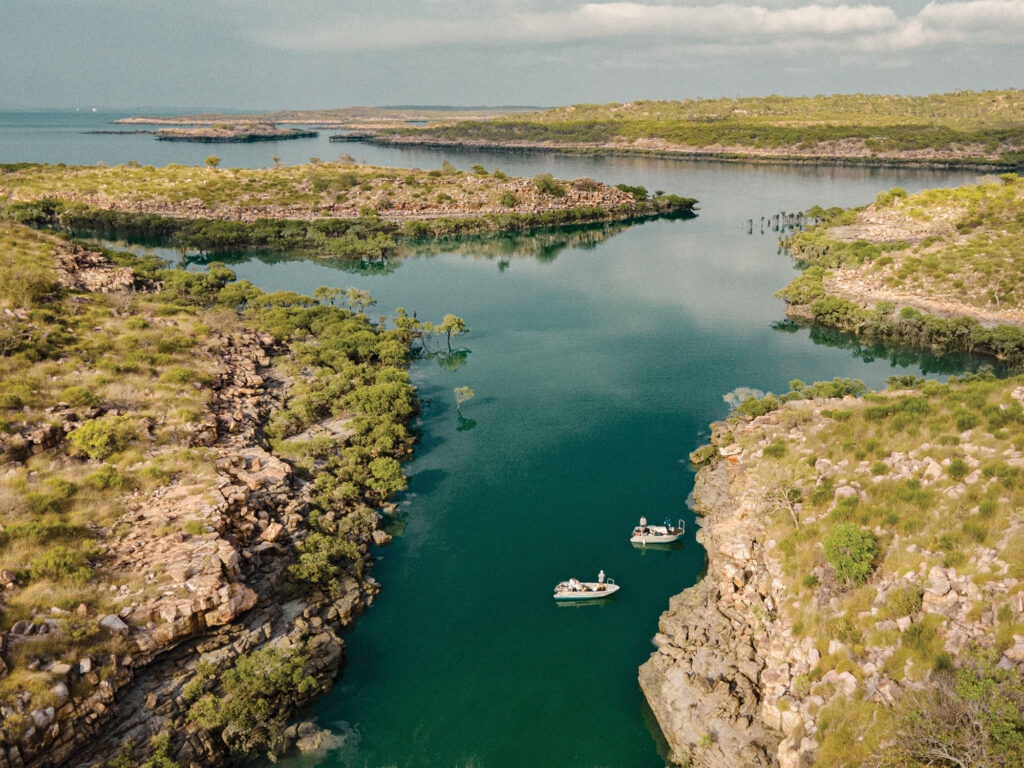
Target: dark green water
(596,371)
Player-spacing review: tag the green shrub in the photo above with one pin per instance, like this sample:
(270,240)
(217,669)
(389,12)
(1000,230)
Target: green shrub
(638,193)
(61,488)
(79,397)
(103,437)
(42,504)
(107,477)
(508,199)
(249,712)
(546,185)
(775,450)
(319,556)
(851,550)
(10,401)
(179,375)
(958,469)
(61,563)
(904,601)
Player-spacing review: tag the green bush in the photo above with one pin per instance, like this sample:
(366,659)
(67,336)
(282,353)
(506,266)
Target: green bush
(508,199)
(851,550)
(904,601)
(42,503)
(638,193)
(958,469)
(546,185)
(249,711)
(775,450)
(319,558)
(107,477)
(61,563)
(103,437)
(79,397)
(10,402)
(179,375)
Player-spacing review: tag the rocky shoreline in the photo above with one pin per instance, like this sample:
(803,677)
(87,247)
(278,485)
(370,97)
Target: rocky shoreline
(704,681)
(226,545)
(657,148)
(738,679)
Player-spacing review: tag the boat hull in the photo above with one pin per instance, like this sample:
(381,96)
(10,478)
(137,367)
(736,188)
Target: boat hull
(591,594)
(657,534)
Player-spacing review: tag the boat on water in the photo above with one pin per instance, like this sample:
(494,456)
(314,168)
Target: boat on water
(573,589)
(657,534)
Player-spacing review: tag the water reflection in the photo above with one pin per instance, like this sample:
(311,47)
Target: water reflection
(540,244)
(930,363)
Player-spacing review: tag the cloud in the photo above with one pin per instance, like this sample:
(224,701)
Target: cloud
(861,27)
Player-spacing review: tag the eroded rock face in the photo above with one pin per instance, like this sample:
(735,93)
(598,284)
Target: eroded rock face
(704,681)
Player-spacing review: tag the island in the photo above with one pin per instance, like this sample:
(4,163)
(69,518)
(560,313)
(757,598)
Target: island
(233,132)
(864,597)
(937,270)
(331,209)
(962,129)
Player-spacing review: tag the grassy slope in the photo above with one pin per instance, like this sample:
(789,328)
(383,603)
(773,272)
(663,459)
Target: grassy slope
(964,125)
(955,252)
(935,473)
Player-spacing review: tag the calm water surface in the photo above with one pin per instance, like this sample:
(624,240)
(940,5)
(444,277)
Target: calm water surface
(597,366)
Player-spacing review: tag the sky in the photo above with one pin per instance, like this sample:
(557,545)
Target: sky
(279,54)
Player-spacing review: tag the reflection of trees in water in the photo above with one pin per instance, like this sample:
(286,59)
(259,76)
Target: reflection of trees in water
(543,244)
(901,357)
(382,265)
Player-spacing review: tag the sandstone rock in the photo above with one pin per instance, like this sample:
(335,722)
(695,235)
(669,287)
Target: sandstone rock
(938,584)
(114,623)
(237,599)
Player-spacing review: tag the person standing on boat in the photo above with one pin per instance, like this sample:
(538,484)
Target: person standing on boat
(668,525)
(600,580)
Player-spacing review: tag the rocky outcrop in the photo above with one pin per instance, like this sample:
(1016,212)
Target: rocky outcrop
(704,681)
(82,270)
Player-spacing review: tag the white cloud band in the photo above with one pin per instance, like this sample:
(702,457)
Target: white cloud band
(863,27)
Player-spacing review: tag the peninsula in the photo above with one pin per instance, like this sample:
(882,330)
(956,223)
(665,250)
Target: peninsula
(333,209)
(963,129)
(940,269)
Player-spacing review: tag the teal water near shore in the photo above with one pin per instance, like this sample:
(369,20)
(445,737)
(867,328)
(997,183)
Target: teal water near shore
(596,368)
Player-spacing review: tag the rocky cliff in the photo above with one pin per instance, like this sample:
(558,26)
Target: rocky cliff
(776,657)
(704,681)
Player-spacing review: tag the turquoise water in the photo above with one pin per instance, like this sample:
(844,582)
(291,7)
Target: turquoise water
(596,370)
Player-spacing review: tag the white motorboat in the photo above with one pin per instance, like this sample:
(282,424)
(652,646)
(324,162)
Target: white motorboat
(658,534)
(584,590)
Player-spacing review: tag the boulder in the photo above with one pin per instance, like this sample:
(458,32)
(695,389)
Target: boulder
(114,623)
